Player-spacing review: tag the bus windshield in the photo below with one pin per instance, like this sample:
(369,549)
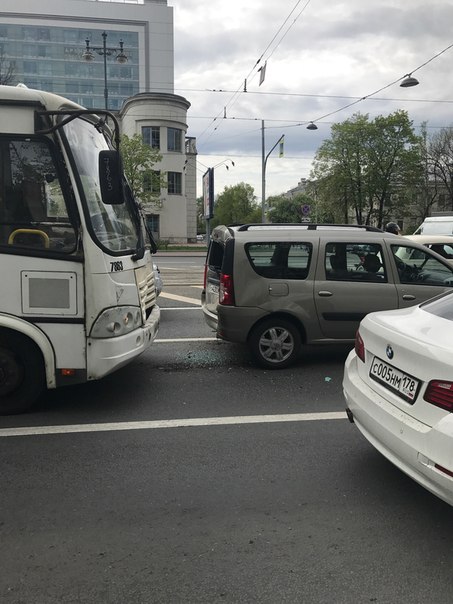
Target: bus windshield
(114,226)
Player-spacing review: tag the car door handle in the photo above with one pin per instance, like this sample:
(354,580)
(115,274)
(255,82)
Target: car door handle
(325,294)
(408,297)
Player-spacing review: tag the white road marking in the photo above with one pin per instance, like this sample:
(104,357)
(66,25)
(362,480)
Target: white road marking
(179,298)
(176,340)
(172,423)
(180,308)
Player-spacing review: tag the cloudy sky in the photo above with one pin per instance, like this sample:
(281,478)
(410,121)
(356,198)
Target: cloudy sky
(322,55)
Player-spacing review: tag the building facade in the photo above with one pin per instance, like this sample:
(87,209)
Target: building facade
(160,119)
(49,52)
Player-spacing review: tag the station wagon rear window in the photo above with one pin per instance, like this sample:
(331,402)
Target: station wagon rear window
(280,259)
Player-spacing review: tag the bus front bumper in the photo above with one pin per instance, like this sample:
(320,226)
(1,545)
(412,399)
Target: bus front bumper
(105,355)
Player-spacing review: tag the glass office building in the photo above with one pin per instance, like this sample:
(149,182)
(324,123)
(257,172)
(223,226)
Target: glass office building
(51,58)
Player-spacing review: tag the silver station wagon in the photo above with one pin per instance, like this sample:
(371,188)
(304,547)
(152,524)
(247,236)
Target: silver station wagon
(276,287)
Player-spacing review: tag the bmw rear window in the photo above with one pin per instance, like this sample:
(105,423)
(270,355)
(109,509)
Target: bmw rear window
(280,259)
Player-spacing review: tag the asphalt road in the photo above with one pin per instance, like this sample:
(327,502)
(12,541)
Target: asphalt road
(193,476)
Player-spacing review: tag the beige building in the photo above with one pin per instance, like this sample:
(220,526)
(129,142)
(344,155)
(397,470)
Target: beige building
(161,121)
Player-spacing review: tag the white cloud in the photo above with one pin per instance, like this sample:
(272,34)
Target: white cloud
(332,51)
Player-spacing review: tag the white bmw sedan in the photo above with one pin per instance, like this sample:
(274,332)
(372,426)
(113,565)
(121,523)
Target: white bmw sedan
(398,386)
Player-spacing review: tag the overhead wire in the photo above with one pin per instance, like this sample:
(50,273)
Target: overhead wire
(236,93)
(358,100)
(372,94)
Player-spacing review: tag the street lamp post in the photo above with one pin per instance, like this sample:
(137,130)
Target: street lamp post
(104,51)
(264,159)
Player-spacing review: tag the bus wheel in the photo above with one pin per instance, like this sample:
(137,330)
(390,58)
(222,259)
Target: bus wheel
(22,377)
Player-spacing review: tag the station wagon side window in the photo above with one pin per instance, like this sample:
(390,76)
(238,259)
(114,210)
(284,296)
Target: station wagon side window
(355,262)
(420,267)
(280,259)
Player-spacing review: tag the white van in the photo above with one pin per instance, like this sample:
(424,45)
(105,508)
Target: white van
(440,223)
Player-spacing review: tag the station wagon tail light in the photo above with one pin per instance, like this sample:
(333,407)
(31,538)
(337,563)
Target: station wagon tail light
(440,394)
(226,290)
(359,346)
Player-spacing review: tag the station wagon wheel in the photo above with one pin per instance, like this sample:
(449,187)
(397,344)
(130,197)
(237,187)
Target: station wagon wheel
(275,343)
(22,377)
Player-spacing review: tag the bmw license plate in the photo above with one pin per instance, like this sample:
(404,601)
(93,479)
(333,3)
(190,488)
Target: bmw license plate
(403,384)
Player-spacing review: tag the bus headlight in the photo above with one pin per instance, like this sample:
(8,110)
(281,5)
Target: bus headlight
(115,322)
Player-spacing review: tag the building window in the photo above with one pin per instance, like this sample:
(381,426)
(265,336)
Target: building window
(151,181)
(44,34)
(152,222)
(174,139)
(151,136)
(29,50)
(30,33)
(30,67)
(174,186)
(72,87)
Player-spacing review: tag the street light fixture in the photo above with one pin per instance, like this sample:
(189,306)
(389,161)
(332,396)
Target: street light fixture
(409,81)
(104,51)
(224,162)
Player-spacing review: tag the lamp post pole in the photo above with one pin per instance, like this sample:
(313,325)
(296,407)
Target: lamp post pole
(105,52)
(264,159)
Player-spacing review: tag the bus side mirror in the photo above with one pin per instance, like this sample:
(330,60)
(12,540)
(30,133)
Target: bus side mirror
(111,177)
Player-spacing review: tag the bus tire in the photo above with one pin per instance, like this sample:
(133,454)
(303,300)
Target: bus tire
(22,373)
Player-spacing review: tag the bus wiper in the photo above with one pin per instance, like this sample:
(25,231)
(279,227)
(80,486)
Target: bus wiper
(140,249)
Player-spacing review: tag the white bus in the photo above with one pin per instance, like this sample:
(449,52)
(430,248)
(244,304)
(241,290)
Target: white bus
(78,297)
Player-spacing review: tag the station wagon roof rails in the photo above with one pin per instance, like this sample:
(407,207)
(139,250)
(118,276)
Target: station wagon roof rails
(310,226)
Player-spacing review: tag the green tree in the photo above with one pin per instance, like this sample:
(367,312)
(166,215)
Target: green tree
(236,204)
(285,209)
(369,168)
(138,162)
(7,70)
(440,164)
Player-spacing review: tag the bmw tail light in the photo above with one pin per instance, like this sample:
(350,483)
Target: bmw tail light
(359,346)
(226,290)
(440,394)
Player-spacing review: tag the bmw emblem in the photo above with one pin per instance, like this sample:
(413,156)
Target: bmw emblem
(389,352)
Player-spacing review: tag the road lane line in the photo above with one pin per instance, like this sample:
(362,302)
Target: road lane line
(179,298)
(180,308)
(171,423)
(176,340)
